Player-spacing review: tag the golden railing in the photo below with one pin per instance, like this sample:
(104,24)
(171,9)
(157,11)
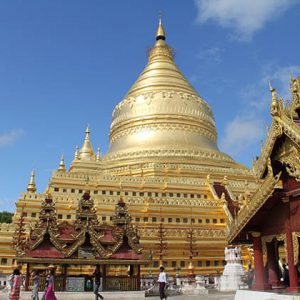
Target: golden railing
(121,284)
(60,283)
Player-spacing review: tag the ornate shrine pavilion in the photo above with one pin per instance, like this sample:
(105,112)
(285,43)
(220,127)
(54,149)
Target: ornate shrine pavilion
(270,219)
(83,242)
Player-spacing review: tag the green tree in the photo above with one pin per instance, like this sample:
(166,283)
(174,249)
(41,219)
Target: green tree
(6,217)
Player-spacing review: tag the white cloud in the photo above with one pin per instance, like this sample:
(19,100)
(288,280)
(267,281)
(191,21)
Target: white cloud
(240,134)
(213,54)
(10,137)
(245,17)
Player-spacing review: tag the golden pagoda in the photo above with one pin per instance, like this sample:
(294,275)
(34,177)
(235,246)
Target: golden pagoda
(163,160)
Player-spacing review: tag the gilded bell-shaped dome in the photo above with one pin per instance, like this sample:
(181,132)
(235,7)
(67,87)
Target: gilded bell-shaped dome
(162,115)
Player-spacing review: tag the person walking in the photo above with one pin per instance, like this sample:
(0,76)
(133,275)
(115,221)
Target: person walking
(16,282)
(97,274)
(162,281)
(36,285)
(49,294)
(250,276)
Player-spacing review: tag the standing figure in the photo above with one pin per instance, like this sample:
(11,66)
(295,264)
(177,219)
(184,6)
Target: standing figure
(36,285)
(49,294)
(16,281)
(286,275)
(97,275)
(162,281)
(250,276)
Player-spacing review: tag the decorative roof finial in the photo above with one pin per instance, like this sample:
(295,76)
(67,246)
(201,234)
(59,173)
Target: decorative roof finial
(274,103)
(273,92)
(76,152)
(62,167)
(98,154)
(86,151)
(48,192)
(160,33)
(31,187)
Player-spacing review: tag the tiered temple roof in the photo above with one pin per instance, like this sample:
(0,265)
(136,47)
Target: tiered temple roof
(86,237)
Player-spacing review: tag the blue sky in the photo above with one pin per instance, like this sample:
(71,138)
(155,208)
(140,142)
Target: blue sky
(66,64)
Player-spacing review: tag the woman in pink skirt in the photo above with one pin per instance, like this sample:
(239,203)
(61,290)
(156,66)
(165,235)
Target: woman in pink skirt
(15,285)
(49,295)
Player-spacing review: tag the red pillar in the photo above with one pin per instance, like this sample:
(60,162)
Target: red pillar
(272,265)
(260,283)
(294,287)
(104,278)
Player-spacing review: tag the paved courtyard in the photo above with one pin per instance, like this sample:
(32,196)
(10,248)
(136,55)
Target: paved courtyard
(128,295)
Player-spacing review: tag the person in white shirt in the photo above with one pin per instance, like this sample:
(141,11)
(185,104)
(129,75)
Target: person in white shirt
(162,281)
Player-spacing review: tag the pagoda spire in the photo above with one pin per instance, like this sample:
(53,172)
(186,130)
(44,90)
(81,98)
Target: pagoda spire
(31,187)
(62,167)
(76,155)
(160,33)
(86,152)
(98,157)
(122,216)
(86,213)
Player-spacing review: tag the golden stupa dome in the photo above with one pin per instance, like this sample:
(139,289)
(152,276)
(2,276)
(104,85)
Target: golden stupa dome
(162,115)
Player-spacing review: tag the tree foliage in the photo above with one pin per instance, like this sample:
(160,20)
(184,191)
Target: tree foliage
(6,217)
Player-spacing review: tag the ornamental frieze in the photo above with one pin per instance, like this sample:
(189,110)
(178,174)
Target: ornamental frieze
(162,94)
(163,202)
(291,129)
(182,233)
(288,155)
(211,134)
(196,154)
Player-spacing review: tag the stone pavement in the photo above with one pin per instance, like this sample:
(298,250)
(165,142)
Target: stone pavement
(125,295)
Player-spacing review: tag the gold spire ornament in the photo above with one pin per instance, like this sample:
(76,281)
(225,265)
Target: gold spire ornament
(86,152)
(76,156)
(62,167)
(274,103)
(273,92)
(98,154)
(48,192)
(31,188)
(160,33)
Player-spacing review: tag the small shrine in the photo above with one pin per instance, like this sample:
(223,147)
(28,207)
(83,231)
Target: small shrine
(82,245)
(233,271)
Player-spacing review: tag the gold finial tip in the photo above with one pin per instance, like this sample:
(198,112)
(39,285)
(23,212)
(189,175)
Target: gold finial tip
(31,187)
(270,86)
(160,33)
(98,154)
(62,164)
